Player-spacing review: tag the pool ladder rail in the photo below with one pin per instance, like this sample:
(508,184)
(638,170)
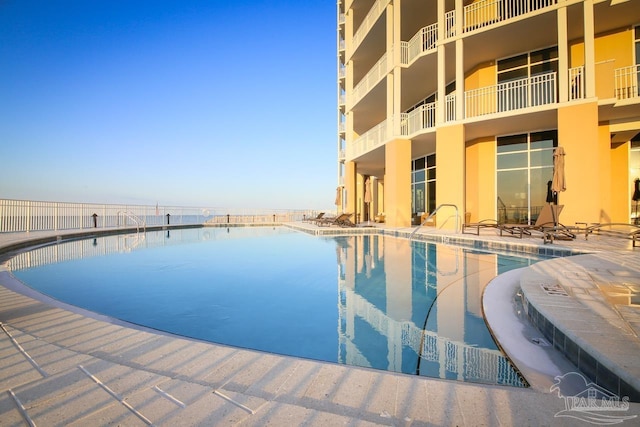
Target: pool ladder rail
(432,214)
(134,218)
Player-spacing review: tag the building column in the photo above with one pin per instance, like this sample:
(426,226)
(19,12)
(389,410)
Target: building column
(397,183)
(450,175)
(350,193)
(589,50)
(578,134)
(563,56)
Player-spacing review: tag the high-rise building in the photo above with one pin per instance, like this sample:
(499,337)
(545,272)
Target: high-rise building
(463,104)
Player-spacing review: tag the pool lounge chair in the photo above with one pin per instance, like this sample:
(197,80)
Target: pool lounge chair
(320,215)
(547,224)
(342,220)
(615,229)
(475,227)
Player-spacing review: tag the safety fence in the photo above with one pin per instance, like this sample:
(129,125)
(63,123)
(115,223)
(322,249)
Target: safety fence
(26,215)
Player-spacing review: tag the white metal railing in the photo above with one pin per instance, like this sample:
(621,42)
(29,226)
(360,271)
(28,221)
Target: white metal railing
(487,12)
(369,140)
(432,214)
(341,18)
(450,22)
(423,117)
(450,105)
(423,41)
(27,215)
(342,127)
(627,82)
(512,95)
(341,44)
(375,74)
(371,18)
(341,98)
(342,72)
(576,83)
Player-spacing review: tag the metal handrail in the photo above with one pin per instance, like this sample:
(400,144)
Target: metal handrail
(432,214)
(136,219)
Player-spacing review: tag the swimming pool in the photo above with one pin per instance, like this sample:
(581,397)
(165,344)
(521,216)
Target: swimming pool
(366,300)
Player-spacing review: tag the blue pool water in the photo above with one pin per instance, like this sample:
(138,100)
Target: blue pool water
(373,301)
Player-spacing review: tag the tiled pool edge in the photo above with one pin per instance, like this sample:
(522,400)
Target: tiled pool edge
(588,358)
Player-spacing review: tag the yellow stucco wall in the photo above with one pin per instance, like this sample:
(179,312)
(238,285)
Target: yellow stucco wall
(612,50)
(480,179)
(578,134)
(481,75)
(450,174)
(397,183)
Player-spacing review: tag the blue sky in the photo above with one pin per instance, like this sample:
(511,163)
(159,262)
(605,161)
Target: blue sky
(187,102)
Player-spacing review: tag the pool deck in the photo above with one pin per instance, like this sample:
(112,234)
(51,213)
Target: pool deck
(62,366)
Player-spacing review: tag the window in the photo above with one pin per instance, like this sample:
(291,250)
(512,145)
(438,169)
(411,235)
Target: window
(524,168)
(423,184)
(527,80)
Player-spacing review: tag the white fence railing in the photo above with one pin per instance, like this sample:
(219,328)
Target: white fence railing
(423,41)
(576,83)
(375,74)
(522,93)
(423,117)
(487,12)
(25,215)
(369,140)
(627,82)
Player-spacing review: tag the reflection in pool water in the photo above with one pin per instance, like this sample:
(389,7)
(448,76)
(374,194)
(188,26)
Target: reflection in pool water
(402,306)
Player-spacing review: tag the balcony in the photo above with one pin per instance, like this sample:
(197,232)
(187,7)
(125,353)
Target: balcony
(423,41)
(375,74)
(369,140)
(371,18)
(488,12)
(627,83)
(421,118)
(513,95)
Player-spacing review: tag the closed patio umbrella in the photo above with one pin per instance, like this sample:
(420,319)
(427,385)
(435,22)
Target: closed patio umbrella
(367,196)
(338,201)
(635,198)
(558,183)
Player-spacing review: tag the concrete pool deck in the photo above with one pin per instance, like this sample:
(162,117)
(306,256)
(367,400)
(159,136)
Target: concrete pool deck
(61,366)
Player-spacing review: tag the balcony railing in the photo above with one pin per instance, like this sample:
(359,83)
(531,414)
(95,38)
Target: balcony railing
(487,12)
(375,74)
(627,82)
(369,140)
(371,18)
(450,105)
(423,41)
(576,83)
(421,118)
(523,93)
(450,21)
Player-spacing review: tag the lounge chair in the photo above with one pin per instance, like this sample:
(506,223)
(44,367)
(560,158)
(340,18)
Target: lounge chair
(615,229)
(342,220)
(320,215)
(546,223)
(475,227)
